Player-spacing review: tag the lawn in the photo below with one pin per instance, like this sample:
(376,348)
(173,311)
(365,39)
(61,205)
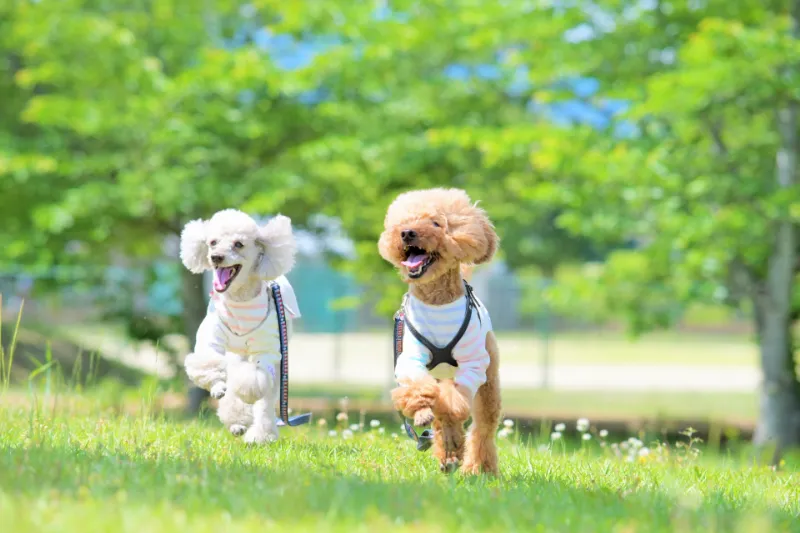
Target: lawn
(79,466)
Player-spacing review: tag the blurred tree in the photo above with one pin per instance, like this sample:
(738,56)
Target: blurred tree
(699,173)
(705,179)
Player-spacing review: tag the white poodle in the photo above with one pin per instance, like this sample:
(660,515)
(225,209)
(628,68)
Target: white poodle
(237,353)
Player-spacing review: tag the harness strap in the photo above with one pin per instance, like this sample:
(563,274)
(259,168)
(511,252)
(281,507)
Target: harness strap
(424,440)
(443,355)
(284,371)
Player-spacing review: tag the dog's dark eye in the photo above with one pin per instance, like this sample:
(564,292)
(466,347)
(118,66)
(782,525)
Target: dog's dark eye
(238,245)
(436,224)
(213,243)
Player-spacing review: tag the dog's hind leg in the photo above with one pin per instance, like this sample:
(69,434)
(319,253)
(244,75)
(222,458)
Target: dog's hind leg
(234,414)
(265,422)
(481,447)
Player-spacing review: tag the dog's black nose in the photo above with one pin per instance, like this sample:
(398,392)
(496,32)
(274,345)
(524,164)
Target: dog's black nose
(217,259)
(408,235)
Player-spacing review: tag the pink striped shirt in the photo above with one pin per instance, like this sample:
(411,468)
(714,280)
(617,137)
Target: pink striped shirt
(248,329)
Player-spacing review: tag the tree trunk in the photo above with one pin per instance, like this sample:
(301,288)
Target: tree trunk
(194,311)
(779,418)
(780,392)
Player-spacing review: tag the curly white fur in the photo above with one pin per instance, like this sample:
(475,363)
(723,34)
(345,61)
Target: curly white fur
(206,368)
(223,363)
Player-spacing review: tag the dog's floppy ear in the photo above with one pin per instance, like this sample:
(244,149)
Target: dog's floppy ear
(473,235)
(279,248)
(194,250)
(385,245)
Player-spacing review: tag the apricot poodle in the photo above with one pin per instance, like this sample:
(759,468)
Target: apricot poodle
(448,367)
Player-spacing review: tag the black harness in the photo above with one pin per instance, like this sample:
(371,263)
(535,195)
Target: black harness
(439,355)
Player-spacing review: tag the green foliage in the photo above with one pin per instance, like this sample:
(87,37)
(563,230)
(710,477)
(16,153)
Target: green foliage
(180,112)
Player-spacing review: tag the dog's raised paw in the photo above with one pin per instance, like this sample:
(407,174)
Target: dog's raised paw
(423,417)
(237,429)
(218,390)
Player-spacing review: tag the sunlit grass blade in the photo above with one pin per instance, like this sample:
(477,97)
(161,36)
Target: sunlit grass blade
(10,362)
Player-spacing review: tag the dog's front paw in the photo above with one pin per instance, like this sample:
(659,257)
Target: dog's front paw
(261,435)
(449,465)
(237,429)
(218,390)
(423,417)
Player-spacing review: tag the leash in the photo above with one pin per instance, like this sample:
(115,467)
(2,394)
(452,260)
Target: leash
(425,439)
(284,387)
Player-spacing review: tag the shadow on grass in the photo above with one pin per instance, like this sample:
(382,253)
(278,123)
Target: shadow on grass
(68,362)
(265,483)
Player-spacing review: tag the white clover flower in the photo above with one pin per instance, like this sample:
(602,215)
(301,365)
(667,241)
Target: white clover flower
(503,433)
(374,423)
(341,417)
(321,422)
(603,433)
(555,435)
(644,452)
(347,434)
(560,427)
(583,425)
(332,433)
(289,410)
(624,445)
(381,431)
(354,427)
(635,443)
(587,436)
(543,448)
(508,423)
(394,435)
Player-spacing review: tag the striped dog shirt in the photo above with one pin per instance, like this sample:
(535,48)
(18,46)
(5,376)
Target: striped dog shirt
(248,329)
(440,324)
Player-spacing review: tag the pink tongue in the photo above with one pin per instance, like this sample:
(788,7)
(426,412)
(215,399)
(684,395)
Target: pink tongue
(414,261)
(221,277)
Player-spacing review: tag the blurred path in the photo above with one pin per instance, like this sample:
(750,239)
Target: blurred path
(364,360)
(315,358)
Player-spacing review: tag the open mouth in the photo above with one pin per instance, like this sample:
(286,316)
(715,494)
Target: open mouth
(417,261)
(224,276)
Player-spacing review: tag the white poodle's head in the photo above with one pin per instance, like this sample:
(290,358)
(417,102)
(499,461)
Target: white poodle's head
(237,249)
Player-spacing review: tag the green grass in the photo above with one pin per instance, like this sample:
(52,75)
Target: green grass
(78,466)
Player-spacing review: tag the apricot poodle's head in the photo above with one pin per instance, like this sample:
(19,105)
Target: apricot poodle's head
(432,231)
